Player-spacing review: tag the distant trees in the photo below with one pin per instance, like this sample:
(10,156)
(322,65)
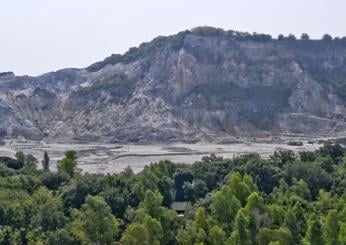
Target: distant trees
(305,37)
(327,38)
(28,161)
(291,37)
(244,36)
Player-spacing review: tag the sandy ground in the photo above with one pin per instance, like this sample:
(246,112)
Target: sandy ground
(111,158)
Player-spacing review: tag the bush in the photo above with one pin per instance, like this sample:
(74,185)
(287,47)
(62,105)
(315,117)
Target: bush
(295,143)
(11,163)
(54,180)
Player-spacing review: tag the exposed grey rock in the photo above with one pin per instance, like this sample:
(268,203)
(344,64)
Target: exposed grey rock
(187,87)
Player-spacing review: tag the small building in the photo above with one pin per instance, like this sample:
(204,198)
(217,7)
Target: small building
(179,207)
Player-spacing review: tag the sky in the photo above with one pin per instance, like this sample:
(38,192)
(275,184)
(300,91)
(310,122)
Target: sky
(38,36)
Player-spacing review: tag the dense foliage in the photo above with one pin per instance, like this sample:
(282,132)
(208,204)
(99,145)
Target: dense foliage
(286,199)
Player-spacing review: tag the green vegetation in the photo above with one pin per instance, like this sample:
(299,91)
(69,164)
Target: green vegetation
(286,199)
(45,161)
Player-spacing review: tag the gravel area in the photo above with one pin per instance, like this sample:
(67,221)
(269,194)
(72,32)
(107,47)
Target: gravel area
(112,158)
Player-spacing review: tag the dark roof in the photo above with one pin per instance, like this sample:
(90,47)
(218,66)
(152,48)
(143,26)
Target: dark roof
(179,206)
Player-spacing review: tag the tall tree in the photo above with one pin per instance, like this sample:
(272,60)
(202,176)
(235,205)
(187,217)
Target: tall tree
(240,234)
(69,163)
(331,228)
(216,236)
(30,161)
(342,233)
(45,161)
(154,229)
(315,234)
(94,222)
(293,225)
(224,207)
(152,203)
(20,157)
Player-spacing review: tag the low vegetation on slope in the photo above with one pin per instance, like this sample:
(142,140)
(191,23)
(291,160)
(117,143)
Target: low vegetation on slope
(286,199)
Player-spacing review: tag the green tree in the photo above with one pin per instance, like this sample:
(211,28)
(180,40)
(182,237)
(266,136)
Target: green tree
(281,236)
(335,151)
(62,236)
(154,229)
(241,187)
(30,161)
(168,222)
(166,188)
(200,189)
(282,157)
(188,192)
(69,163)
(293,225)
(135,234)
(180,178)
(94,223)
(315,233)
(224,207)
(331,228)
(20,157)
(240,234)
(47,210)
(216,236)
(152,203)
(45,161)
(71,155)
(201,219)
(191,234)
(342,233)
(117,201)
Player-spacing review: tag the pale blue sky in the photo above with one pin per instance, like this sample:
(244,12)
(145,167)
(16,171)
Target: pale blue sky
(38,36)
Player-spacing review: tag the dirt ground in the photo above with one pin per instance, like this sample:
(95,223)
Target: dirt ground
(112,158)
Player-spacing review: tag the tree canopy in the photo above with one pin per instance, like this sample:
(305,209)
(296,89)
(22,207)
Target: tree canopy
(288,199)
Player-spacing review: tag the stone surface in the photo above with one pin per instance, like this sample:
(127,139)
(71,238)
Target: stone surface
(188,87)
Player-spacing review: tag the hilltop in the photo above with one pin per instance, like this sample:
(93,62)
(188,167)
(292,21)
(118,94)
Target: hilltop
(201,84)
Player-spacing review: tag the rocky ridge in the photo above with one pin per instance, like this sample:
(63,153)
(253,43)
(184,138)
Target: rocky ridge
(203,84)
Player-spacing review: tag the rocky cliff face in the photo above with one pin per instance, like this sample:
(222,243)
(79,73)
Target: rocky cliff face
(196,85)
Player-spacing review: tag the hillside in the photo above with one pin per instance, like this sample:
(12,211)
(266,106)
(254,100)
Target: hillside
(203,84)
